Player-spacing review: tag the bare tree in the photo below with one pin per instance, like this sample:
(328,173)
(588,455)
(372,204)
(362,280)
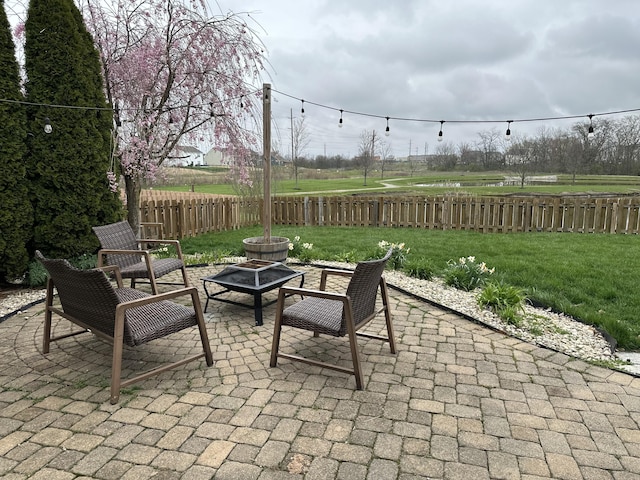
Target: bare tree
(625,148)
(489,144)
(466,154)
(445,156)
(519,157)
(366,151)
(385,155)
(299,142)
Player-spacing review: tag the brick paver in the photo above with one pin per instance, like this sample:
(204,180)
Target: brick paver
(458,401)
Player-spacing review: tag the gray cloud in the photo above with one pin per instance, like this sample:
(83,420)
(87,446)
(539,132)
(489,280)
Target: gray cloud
(452,60)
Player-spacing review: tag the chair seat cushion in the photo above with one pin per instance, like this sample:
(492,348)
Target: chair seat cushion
(154,320)
(161,267)
(316,314)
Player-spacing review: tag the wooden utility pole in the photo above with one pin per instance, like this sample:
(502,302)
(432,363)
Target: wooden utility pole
(266,149)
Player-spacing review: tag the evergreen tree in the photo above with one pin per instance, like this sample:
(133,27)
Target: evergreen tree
(16,215)
(67,167)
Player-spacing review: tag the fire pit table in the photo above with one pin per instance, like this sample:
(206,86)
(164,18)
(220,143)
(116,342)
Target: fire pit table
(254,277)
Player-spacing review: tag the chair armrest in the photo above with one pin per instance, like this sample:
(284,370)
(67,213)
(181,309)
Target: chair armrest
(175,243)
(115,251)
(335,271)
(332,271)
(181,292)
(306,292)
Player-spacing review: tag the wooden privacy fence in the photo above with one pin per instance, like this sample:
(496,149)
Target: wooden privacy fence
(185,215)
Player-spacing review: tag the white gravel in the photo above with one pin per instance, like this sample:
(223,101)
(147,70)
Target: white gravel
(13,303)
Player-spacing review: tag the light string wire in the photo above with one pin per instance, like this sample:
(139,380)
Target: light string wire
(122,109)
(426,120)
(336,109)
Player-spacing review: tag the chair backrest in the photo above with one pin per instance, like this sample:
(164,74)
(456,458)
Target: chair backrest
(363,287)
(118,236)
(84,294)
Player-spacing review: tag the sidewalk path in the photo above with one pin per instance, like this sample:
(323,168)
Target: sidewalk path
(458,401)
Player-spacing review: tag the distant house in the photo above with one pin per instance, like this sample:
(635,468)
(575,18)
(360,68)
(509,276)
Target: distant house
(185,155)
(216,157)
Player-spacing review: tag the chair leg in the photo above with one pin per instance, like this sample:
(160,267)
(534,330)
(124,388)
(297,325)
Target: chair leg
(202,328)
(387,315)
(46,334)
(355,353)
(184,276)
(116,362)
(154,285)
(277,329)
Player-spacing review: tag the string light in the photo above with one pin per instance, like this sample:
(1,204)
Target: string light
(47,125)
(387,132)
(507,134)
(590,133)
(302,109)
(340,121)
(426,120)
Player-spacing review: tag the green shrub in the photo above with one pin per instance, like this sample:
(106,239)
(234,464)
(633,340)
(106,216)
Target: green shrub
(466,274)
(347,257)
(422,269)
(504,300)
(398,255)
(37,275)
(303,251)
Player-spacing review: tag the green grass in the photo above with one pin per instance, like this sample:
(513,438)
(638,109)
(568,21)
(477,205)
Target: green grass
(592,277)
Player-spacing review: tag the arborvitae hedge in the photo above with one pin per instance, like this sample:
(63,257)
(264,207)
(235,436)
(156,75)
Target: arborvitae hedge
(16,215)
(66,168)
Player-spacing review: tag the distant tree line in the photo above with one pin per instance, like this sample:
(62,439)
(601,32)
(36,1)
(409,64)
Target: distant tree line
(612,149)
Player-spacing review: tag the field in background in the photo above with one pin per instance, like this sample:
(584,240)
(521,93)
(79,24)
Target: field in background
(216,180)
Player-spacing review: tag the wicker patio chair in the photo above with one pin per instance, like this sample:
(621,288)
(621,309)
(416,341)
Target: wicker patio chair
(337,314)
(121,247)
(118,315)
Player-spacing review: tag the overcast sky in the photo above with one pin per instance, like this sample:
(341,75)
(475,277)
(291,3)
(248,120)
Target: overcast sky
(444,60)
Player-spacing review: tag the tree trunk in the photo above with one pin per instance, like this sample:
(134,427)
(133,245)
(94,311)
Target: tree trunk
(132,189)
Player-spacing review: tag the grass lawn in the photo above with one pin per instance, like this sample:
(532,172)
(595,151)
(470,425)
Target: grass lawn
(592,277)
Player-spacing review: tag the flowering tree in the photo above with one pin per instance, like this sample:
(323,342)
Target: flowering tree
(174,74)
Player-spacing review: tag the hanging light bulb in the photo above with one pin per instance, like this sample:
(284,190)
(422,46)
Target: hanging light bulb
(241,101)
(590,132)
(340,121)
(387,132)
(302,109)
(507,134)
(47,125)
(440,132)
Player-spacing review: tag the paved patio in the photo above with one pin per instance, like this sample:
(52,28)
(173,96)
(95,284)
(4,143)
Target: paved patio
(458,401)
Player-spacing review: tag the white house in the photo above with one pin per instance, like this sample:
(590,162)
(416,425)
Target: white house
(215,157)
(185,156)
